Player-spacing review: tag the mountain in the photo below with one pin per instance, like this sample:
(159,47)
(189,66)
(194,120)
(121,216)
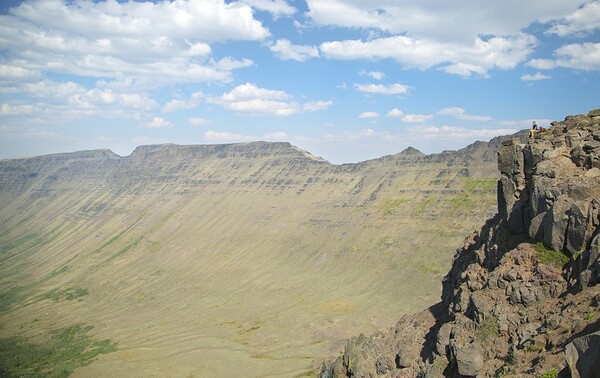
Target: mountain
(247,259)
(522,298)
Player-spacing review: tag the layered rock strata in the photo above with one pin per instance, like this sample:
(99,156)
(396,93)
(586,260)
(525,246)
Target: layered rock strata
(522,297)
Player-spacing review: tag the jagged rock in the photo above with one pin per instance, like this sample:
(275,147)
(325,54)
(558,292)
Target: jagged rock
(469,359)
(511,308)
(583,356)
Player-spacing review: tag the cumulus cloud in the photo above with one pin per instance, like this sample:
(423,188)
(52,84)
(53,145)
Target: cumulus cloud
(248,98)
(457,38)
(395,113)
(159,123)
(409,118)
(438,19)
(584,20)
(161,42)
(315,106)
(373,74)
(367,115)
(197,121)
(416,118)
(57,102)
(579,56)
(392,89)
(535,77)
(465,59)
(460,113)
(284,50)
(177,104)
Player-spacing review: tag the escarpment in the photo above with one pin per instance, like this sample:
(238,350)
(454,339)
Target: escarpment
(522,297)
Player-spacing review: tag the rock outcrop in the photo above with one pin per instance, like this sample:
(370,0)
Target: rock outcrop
(524,288)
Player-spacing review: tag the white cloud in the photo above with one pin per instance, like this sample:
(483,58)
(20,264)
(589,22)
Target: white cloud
(12,72)
(579,56)
(230,64)
(366,115)
(460,113)
(158,43)
(159,123)
(409,118)
(56,102)
(276,136)
(351,135)
(284,50)
(249,98)
(535,77)
(585,19)
(317,106)
(454,133)
(275,7)
(226,136)
(392,89)
(416,118)
(176,104)
(373,74)
(465,59)
(438,19)
(395,113)
(197,121)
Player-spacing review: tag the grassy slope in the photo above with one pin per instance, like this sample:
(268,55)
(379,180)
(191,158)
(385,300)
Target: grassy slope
(234,266)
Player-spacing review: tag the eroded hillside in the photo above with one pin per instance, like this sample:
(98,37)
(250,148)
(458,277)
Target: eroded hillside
(523,297)
(228,260)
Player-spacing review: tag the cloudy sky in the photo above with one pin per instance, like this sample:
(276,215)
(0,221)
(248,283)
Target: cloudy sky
(347,80)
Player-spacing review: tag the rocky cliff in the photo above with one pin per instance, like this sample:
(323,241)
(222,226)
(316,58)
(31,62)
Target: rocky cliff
(522,297)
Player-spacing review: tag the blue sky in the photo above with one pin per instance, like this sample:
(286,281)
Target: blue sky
(347,80)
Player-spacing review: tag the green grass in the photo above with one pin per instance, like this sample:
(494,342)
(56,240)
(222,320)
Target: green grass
(552,373)
(67,349)
(484,184)
(487,328)
(9,297)
(550,256)
(65,293)
(389,206)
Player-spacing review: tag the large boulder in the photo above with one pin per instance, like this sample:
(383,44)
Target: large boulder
(583,356)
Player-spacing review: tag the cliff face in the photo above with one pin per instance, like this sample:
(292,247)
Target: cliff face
(522,297)
(250,259)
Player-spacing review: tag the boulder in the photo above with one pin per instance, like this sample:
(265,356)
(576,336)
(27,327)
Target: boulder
(469,359)
(583,356)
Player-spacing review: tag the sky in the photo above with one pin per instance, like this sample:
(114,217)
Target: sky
(347,80)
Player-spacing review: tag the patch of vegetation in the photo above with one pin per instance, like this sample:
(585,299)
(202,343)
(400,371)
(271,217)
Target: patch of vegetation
(59,271)
(431,268)
(589,316)
(389,206)
(550,256)
(552,373)
(131,244)
(67,349)
(484,184)
(532,348)
(9,297)
(504,371)
(65,293)
(422,205)
(487,328)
